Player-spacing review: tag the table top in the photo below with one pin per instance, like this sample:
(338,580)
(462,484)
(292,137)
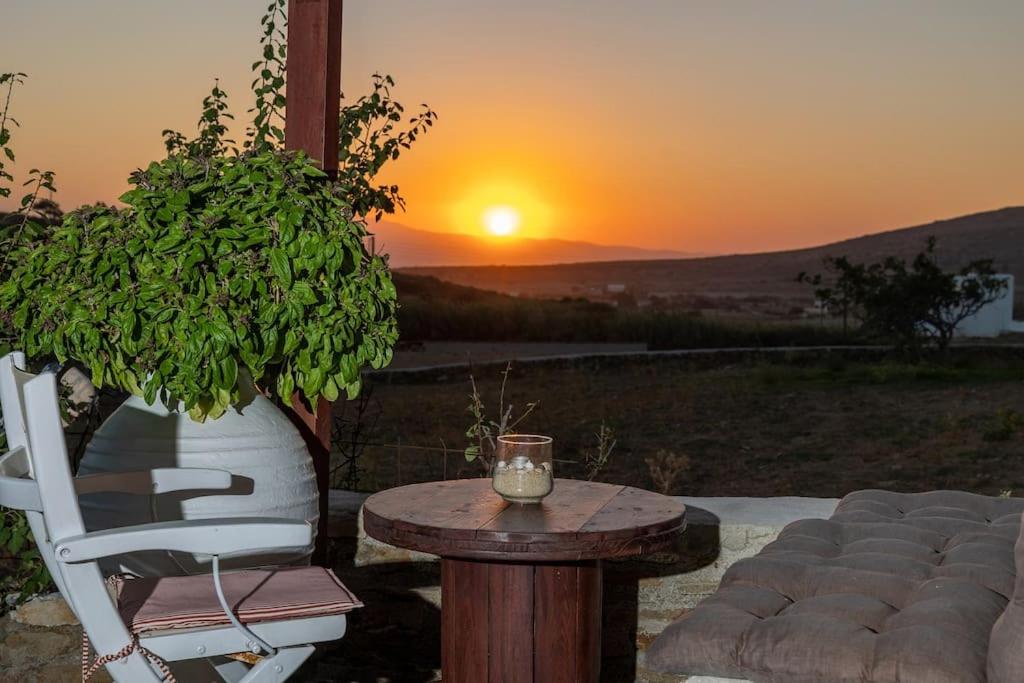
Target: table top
(579,520)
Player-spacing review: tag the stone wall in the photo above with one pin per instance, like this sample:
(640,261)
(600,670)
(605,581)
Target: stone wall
(40,642)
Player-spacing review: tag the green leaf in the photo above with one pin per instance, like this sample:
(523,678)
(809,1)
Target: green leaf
(151,388)
(97,373)
(282,269)
(285,385)
(304,292)
(330,390)
(352,390)
(229,366)
(313,383)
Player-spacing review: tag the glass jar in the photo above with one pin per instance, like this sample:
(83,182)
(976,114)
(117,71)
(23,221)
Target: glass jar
(523,470)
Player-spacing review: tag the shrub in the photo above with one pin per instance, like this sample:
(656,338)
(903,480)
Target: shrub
(908,303)
(216,263)
(435,310)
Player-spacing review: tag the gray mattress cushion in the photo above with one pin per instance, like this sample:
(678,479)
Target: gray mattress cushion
(1006,645)
(894,587)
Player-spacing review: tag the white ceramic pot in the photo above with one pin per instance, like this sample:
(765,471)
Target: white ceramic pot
(272,474)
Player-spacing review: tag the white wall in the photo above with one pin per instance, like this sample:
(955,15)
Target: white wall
(995,318)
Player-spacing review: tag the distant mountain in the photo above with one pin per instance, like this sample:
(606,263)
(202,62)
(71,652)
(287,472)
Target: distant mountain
(998,235)
(410,247)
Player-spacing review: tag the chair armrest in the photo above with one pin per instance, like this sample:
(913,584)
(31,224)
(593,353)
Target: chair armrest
(237,535)
(159,480)
(17,489)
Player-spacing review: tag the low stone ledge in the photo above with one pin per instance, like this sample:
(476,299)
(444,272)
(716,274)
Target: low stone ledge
(45,610)
(40,642)
(645,676)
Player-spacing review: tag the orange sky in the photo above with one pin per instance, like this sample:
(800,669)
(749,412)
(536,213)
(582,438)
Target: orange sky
(714,126)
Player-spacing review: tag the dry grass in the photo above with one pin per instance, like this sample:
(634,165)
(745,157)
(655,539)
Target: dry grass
(667,469)
(745,430)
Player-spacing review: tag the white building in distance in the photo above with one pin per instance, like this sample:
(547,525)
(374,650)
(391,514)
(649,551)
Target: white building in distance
(995,318)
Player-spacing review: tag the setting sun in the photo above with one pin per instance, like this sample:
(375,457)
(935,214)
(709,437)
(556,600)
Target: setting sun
(501,208)
(501,221)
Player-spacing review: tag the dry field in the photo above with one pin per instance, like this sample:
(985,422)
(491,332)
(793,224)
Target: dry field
(820,428)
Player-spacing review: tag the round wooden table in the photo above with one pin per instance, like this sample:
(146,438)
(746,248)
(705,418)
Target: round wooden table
(521,584)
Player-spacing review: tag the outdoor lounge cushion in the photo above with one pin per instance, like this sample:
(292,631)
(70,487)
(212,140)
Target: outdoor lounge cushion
(892,588)
(150,604)
(1006,645)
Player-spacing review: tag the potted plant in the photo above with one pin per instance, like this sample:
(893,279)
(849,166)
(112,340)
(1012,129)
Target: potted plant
(227,279)
(220,272)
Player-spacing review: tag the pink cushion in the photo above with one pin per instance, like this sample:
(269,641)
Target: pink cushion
(150,604)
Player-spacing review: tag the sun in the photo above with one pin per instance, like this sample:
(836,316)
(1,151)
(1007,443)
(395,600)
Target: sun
(502,210)
(501,221)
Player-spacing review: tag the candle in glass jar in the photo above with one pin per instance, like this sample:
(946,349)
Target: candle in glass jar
(522,471)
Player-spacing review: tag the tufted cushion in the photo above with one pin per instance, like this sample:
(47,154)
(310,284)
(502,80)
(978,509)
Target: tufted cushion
(1006,645)
(894,587)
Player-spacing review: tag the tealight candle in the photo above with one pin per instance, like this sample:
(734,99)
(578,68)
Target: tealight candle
(523,471)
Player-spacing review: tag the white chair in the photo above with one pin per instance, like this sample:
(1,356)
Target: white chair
(151,621)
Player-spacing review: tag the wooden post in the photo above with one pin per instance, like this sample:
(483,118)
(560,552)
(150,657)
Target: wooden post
(313,75)
(314,79)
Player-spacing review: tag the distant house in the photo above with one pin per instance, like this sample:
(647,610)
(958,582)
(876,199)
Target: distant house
(995,318)
(817,310)
(615,288)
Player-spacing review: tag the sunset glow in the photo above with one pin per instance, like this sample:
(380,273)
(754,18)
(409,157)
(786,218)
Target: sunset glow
(693,126)
(501,221)
(501,207)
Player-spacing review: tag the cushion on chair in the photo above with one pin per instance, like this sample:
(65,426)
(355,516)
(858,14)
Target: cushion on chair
(150,604)
(893,588)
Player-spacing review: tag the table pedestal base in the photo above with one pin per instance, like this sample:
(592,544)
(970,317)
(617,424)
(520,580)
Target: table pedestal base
(508,622)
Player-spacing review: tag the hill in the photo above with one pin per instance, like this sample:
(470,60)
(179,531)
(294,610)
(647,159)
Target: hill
(433,310)
(410,247)
(993,234)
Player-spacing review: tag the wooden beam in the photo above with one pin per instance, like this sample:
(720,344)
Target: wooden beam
(314,79)
(313,75)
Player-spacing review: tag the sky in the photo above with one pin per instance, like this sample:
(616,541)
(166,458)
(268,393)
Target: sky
(718,126)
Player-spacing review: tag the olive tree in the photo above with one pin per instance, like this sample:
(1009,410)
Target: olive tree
(910,303)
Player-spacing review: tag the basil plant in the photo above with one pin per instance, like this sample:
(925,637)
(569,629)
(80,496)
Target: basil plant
(215,264)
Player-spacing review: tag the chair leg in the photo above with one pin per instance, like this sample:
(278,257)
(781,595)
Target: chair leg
(280,666)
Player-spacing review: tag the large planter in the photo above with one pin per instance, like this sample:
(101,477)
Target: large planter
(272,474)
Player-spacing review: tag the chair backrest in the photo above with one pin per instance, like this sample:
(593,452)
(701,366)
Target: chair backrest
(18,490)
(12,382)
(33,425)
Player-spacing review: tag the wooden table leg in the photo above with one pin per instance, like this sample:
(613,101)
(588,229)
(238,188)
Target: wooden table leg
(567,622)
(520,623)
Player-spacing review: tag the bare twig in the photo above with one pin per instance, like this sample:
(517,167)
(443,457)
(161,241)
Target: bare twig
(595,461)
